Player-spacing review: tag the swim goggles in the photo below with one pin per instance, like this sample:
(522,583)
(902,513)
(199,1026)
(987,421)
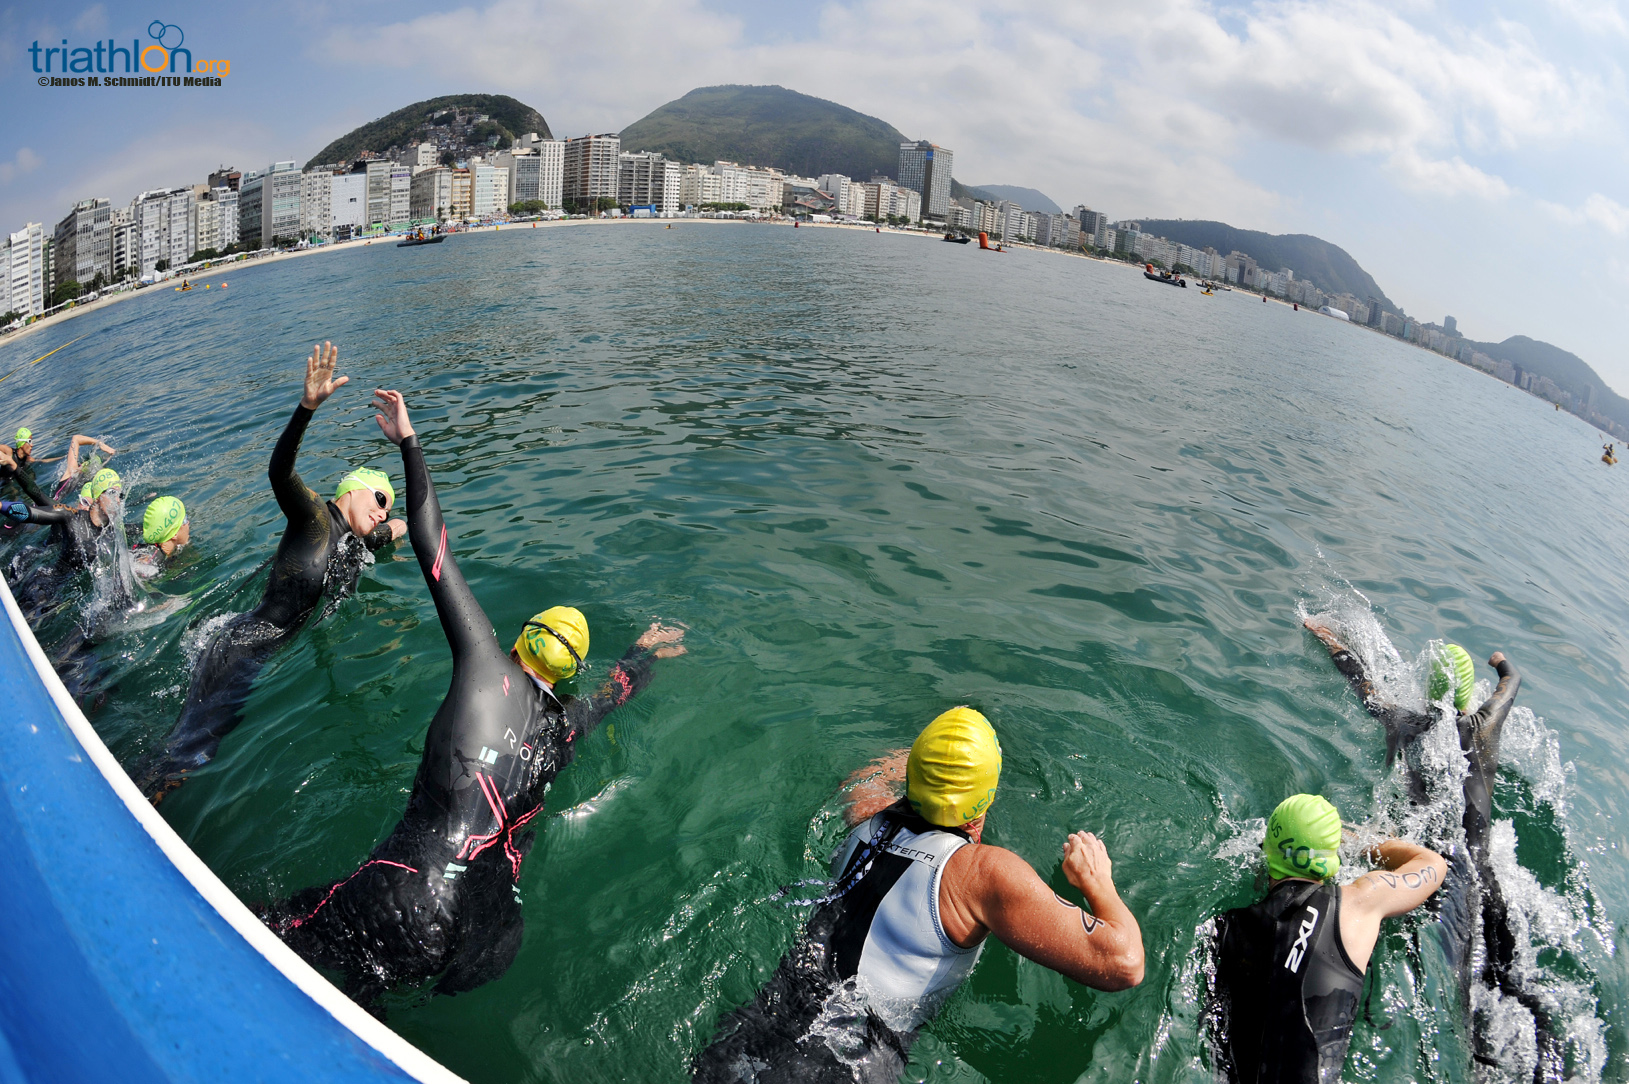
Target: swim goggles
(576,658)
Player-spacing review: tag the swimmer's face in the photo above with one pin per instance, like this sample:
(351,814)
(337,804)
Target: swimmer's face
(26,448)
(363,509)
(182,537)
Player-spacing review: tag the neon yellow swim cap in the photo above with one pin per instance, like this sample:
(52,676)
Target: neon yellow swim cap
(367,478)
(1454,666)
(106,478)
(542,643)
(162,520)
(953,769)
(1303,839)
(24,435)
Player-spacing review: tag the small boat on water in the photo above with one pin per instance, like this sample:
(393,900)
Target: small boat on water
(421,239)
(1164,276)
(958,238)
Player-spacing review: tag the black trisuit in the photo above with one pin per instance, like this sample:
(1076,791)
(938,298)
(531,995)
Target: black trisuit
(439,896)
(318,555)
(1472,891)
(22,474)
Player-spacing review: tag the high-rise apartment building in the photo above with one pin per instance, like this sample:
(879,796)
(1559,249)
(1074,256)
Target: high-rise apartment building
(22,271)
(217,218)
(536,171)
(925,169)
(316,202)
(348,205)
(165,228)
(647,179)
(591,168)
(489,192)
(432,193)
(83,242)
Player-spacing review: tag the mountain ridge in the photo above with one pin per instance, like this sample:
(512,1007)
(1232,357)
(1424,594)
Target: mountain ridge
(509,118)
(769,126)
(1329,266)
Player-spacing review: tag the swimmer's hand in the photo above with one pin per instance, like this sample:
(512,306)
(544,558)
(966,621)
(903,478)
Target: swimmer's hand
(393,420)
(14,510)
(1321,631)
(666,635)
(320,381)
(1498,657)
(1086,864)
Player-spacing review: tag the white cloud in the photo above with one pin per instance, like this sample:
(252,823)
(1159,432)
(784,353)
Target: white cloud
(25,161)
(1597,210)
(1596,16)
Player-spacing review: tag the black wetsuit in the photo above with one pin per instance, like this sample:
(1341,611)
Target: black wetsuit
(1290,991)
(319,555)
(22,475)
(439,896)
(775,1040)
(1471,893)
(74,533)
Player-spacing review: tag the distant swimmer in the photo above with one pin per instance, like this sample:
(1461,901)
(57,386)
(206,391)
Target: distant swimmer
(1474,896)
(1290,968)
(321,554)
(440,895)
(915,894)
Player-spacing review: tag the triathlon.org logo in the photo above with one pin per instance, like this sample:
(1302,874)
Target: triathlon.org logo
(165,51)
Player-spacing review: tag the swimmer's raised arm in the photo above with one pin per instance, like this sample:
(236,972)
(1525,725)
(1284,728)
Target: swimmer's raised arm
(71,467)
(1348,664)
(297,501)
(999,891)
(1407,877)
(469,632)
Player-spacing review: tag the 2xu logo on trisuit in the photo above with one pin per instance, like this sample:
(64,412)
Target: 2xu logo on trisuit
(1298,951)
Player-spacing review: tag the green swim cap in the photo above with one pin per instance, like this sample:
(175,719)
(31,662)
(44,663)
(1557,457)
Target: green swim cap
(162,520)
(24,436)
(1303,839)
(106,478)
(366,478)
(1452,665)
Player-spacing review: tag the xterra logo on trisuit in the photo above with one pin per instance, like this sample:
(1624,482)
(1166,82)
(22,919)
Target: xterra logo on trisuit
(1298,950)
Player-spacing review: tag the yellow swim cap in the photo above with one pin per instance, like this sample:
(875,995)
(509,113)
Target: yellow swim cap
(106,478)
(367,478)
(162,520)
(1303,839)
(954,767)
(24,436)
(554,642)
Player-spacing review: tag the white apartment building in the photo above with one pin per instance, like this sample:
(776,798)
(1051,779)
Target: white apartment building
(489,193)
(348,204)
(536,170)
(316,203)
(432,193)
(82,244)
(647,179)
(216,218)
(165,228)
(924,168)
(424,156)
(390,193)
(1009,220)
(699,185)
(22,271)
(591,168)
(126,244)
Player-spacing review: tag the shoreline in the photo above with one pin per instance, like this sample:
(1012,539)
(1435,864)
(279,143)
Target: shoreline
(236,266)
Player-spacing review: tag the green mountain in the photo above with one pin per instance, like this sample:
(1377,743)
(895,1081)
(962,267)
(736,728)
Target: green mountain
(769,126)
(1569,371)
(1027,198)
(1329,266)
(509,119)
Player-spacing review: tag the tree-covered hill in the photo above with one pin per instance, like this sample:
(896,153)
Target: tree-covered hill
(769,126)
(1331,267)
(509,118)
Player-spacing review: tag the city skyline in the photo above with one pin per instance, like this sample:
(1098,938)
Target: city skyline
(1473,164)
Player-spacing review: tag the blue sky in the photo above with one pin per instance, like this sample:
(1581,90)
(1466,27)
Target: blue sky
(1471,156)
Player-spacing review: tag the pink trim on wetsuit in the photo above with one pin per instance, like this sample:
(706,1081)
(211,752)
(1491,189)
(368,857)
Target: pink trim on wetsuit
(441,554)
(619,676)
(505,830)
(297,923)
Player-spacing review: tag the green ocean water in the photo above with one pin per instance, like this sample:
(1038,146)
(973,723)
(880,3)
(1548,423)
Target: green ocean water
(875,477)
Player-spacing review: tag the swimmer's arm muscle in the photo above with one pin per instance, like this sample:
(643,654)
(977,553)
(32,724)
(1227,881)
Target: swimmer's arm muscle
(1102,948)
(1408,875)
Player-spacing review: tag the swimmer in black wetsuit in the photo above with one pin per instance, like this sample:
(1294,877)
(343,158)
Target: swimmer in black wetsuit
(1290,968)
(440,895)
(76,530)
(16,471)
(1473,891)
(321,553)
